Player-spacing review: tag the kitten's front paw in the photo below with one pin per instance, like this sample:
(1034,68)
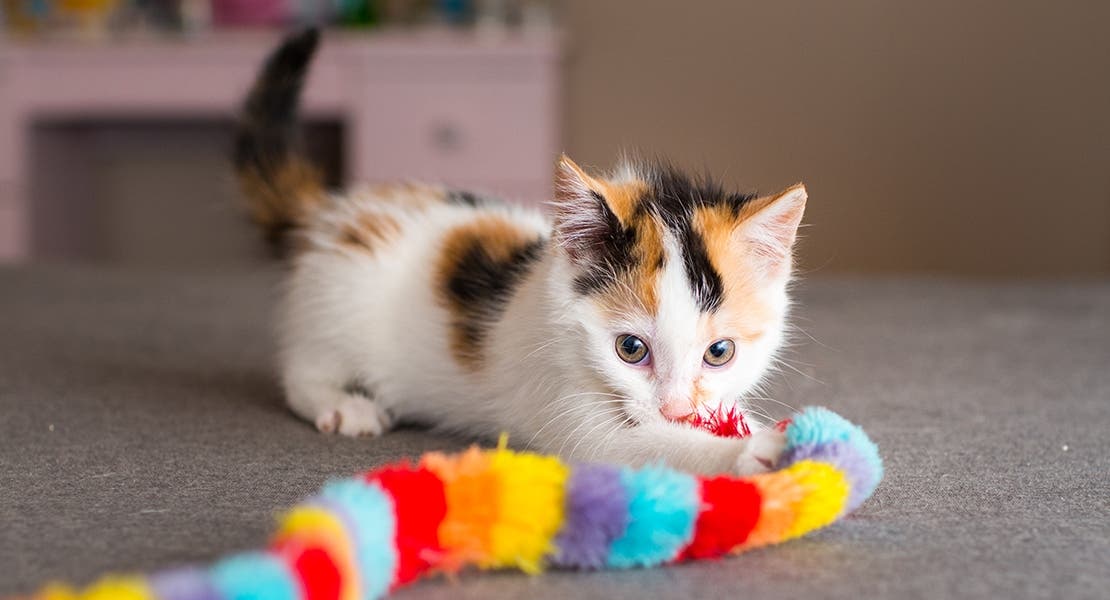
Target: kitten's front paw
(355,416)
(761,452)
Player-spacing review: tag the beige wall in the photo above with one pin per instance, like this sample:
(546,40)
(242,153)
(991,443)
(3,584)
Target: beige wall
(941,136)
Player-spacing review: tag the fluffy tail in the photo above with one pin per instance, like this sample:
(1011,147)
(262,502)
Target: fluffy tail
(280,185)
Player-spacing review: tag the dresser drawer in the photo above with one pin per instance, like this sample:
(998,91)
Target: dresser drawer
(455,132)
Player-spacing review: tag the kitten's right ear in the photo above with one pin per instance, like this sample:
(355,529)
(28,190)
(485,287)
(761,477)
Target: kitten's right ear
(584,223)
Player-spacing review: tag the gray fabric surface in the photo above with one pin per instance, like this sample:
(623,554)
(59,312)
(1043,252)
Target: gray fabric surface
(141,427)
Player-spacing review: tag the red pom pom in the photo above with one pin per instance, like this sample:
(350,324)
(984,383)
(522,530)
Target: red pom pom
(317,572)
(723,423)
(730,509)
(420,505)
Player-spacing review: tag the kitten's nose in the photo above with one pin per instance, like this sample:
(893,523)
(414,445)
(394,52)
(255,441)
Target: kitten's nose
(677,409)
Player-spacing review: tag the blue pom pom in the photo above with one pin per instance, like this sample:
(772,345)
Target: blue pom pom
(255,576)
(370,508)
(663,509)
(815,426)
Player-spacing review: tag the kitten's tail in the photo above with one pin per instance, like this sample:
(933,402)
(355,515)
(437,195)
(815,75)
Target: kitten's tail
(280,185)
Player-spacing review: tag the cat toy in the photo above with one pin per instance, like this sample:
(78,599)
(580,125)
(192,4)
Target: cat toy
(362,537)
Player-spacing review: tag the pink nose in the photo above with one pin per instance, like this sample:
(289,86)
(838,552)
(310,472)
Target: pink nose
(677,410)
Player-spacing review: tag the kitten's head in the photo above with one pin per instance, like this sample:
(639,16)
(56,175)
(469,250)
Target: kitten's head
(680,286)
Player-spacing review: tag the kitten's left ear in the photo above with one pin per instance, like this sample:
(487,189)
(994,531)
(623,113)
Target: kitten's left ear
(769,227)
(584,222)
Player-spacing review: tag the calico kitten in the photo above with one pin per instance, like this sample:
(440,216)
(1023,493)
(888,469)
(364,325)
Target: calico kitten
(651,297)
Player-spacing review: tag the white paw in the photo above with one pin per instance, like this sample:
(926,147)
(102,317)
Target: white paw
(761,452)
(327,421)
(355,416)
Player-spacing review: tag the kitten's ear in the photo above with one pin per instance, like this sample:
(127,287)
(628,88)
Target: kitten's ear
(769,227)
(584,223)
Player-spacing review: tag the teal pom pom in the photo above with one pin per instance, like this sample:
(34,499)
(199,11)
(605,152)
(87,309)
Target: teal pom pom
(815,426)
(663,509)
(371,510)
(255,576)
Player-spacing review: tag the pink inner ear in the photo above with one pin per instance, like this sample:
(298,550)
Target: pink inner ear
(583,221)
(770,232)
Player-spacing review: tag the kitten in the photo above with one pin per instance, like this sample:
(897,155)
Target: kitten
(651,298)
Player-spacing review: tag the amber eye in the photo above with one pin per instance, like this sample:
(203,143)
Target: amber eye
(631,349)
(719,353)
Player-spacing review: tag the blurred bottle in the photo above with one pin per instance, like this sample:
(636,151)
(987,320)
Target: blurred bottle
(251,13)
(491,15)
(25,16)
(195,15)
(454,12)
(85,18)
(357,13)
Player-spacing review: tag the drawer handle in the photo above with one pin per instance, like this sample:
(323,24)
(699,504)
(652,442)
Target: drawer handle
(447,137)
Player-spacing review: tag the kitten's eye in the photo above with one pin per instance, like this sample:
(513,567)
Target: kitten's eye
(631,349)
(719,353)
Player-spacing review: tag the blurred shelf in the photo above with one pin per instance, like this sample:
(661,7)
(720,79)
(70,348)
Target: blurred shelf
(462,107)
(396,41)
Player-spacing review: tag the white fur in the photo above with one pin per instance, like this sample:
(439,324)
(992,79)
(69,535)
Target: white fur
(550,376)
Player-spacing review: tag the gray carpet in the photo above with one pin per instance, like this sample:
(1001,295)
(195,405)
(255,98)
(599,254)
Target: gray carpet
(140,427)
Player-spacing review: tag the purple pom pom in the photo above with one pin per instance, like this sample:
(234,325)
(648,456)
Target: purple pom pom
(596,514)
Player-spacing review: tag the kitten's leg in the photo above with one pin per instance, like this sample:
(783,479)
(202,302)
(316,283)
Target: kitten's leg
(322,396)
(761,453)
(688,449)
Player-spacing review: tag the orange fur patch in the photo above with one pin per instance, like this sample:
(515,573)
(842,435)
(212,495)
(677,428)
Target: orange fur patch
(284,197)
(640,286)
(623,197)
(499,239)
(649,261)
(369,231)
(744,314)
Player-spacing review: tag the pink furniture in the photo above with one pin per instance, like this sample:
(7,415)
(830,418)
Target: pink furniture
(444,106)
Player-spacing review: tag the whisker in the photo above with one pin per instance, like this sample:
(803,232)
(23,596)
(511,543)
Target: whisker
(608,439)
(567,412)
(541,347)
(769,399)
(604,423)
(783,363)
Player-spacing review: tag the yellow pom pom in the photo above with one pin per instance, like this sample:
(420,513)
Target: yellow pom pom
(826,493)
(531,508)
(118,588)
(315,525)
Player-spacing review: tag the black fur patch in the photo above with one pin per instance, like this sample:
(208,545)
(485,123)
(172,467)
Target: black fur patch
(266,133)
(610,251)
(480,286)
(266,139)
(672,197)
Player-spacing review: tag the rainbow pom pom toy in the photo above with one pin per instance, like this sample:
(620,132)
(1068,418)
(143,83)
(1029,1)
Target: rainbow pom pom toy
(360,538)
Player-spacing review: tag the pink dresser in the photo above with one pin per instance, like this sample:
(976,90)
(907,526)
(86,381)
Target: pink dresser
(453,107)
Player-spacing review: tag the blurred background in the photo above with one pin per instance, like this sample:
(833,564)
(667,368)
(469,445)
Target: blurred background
(947,137)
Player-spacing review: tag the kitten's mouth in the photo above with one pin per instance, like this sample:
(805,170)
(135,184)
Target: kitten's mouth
(683,419)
